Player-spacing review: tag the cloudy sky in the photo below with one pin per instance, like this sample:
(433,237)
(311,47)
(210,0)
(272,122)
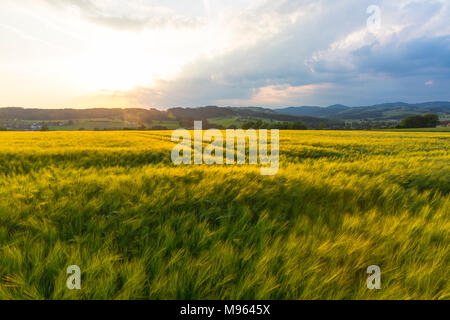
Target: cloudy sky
(270,53)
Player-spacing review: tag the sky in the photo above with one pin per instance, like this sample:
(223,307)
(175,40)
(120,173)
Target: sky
(187,53)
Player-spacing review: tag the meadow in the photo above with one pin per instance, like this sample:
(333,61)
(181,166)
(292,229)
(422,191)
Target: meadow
(140,227)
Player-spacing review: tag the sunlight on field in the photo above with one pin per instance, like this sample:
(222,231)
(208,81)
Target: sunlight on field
(140,227)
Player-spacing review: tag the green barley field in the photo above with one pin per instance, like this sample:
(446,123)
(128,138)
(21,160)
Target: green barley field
(140,227)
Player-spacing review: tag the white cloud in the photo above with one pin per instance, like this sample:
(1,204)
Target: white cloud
(281,95)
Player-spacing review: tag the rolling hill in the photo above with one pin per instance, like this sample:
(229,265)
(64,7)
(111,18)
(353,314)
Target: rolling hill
(150,117)
(380,112)
(314,117)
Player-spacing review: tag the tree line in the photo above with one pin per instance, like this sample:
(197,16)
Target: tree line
(420,121)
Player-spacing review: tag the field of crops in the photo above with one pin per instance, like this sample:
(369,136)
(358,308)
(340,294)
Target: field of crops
(140,227)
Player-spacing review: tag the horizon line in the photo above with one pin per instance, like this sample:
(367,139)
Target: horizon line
(217,106)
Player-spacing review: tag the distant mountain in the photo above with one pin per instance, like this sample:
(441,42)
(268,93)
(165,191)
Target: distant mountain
(312,116)
(148,116)
(318,112)
(338,107)
(385,111)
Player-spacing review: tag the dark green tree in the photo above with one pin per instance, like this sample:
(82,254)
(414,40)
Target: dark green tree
(426,121)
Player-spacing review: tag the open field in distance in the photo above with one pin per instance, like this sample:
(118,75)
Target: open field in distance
(438,129)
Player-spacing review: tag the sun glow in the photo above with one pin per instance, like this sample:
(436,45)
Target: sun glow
(77,51)
(87,57)
(124,61)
